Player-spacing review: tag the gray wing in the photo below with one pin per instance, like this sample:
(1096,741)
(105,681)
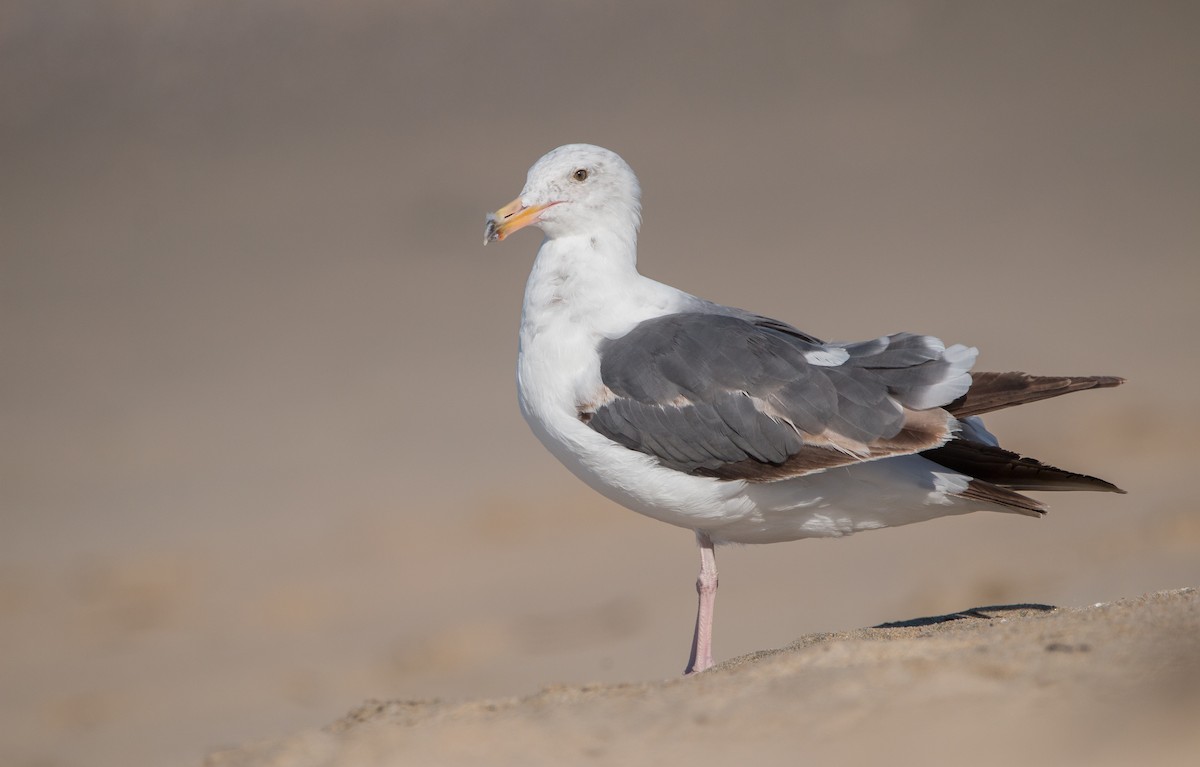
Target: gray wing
(746,397)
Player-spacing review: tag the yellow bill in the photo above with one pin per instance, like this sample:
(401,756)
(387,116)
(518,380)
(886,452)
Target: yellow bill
(509,219)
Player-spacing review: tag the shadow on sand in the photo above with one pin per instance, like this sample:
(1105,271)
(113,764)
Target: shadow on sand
(987,613)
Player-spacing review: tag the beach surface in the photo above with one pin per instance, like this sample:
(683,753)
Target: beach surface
(1109,684)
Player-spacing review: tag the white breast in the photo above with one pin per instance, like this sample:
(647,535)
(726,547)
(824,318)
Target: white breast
(570,308)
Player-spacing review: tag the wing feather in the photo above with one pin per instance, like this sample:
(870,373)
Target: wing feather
(736,397)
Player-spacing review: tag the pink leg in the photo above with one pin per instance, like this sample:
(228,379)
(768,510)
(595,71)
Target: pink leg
(706,587)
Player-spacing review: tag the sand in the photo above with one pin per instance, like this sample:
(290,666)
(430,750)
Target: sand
(1109,684)
(260,454)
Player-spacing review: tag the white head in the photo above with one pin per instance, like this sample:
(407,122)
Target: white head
(577,189)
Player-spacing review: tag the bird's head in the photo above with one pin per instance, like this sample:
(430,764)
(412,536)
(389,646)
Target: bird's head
(573,190)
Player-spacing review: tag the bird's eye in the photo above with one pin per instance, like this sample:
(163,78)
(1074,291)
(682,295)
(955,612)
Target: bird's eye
(580,175)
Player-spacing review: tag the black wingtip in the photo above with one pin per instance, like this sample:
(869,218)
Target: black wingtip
(1005,468)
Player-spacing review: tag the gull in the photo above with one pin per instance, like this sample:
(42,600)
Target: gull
(736,426)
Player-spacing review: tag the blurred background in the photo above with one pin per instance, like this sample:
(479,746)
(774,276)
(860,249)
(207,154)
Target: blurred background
(261,457)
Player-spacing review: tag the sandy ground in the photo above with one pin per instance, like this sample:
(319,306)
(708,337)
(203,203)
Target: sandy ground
(1110,684)
(261,459)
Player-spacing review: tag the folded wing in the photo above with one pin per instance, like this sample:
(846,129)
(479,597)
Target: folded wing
(745,397)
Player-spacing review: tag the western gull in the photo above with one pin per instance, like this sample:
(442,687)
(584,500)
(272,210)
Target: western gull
(736,426)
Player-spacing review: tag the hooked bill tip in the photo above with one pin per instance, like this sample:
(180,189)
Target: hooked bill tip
(489,233)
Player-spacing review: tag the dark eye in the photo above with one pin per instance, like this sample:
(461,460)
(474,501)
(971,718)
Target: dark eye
(580,175)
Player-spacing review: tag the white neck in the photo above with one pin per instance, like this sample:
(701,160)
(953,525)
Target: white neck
(592,280)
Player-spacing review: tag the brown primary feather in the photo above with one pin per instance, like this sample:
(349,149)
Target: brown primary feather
(999,472)
(993,391)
